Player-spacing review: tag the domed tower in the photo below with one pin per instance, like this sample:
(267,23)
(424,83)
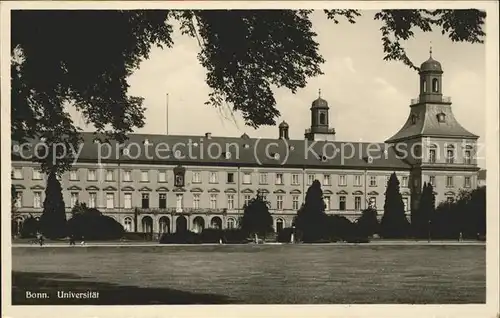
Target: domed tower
(320,129)
(430,81)
(439,150)
(283,130)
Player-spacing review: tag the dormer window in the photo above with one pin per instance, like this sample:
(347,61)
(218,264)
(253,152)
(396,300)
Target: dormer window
(146,141)
(441,117)
(228,155)
(413,119)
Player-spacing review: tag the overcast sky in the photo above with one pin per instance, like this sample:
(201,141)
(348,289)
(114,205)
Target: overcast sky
(368,97)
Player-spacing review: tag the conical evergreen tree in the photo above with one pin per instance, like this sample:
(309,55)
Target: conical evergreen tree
(394,223)
(423,214)
(257,220)
(53,219)
(311,219)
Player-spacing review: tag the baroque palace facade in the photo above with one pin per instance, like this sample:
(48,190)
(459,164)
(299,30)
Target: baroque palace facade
(166,183)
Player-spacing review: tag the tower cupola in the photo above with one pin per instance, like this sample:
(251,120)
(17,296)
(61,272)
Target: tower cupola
(283,130)
(320,128)
(431,74)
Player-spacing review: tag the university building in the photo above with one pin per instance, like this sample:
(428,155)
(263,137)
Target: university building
(167,183)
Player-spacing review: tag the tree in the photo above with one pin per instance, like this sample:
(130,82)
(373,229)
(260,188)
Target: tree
(30,227)
(53,219)
(367,224)
(256,218)
(394,223)
(423,214)
(244,62)
(91,224)
(311,219)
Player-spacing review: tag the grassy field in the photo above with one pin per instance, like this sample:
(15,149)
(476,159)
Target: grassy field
(252,274)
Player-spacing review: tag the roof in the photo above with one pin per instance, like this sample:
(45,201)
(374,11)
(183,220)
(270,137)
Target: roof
(427,124)
(235,151)
(431,65)
(319,103)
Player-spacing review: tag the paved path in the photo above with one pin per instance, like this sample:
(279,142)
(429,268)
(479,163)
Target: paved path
(149,244)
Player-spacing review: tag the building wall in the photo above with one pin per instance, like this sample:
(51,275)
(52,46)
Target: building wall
(205,187)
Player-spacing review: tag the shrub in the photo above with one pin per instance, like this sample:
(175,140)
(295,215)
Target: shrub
(285,235)
(185,237)
(93,225)
(30,227)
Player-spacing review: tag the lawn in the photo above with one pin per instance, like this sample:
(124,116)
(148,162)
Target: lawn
(253,274)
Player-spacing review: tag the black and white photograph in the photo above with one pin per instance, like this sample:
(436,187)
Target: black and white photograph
(249,153)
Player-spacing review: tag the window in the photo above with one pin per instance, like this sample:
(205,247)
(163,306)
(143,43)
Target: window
(424,86)
(162,176)
(450,155)
(441,117)
(247,178)
(230,201)
(179,202)
(342,180)
(109,175)
(467,182)
(342,200)
(91,175)
(264,197)
(230,177)
(246,199)
(37,175)
(404,182)
(127,176)
(263,178)
(145,201)
(37,199)
(435,85)
(213,201)
(413,119)
(310,179)
(230,223)
(17,173)
(92,199)
(327,201)
(196,200)
(373,181)
(162,201)
(467,157)
(322,118)
(127,197)
(295,202)
(372,202)
(128,224)
(280,224)
(19,199)
(326,180)
(357,180)
(73,175)
(449,182)
(110,200)
(144,176)
(74,199)
(405,202)
(279,202)
(357,203)
(432,180)
(279,178)
(213,177)
(196,177)
(295,179)
(432,156)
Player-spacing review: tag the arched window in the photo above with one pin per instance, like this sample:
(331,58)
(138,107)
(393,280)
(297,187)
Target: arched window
(280,224)
(450,154)
(230,223)
(128,224)
(424,86)
(322,119)
(435,85)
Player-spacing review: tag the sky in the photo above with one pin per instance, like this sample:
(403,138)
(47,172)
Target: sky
(368,97)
